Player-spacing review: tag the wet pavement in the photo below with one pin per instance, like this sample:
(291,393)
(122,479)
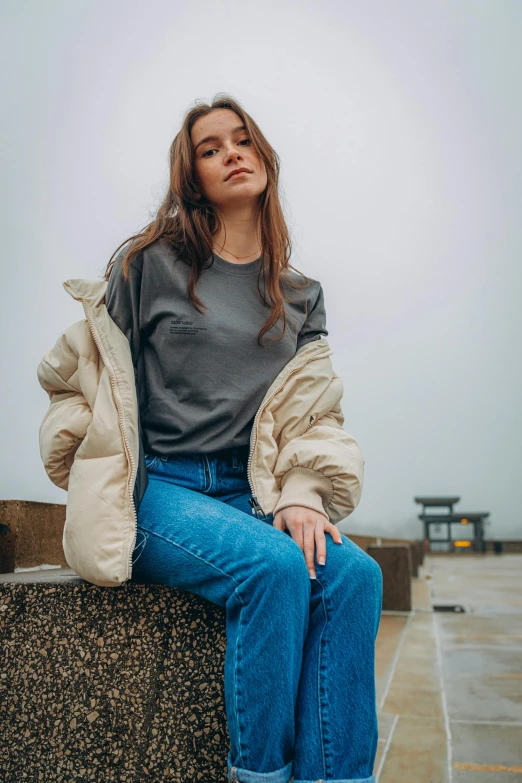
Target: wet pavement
(449,685)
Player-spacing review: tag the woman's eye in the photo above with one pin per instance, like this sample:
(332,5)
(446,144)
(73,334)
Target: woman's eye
(213,149)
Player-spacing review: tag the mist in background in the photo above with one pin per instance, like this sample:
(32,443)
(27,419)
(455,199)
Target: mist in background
(399,129)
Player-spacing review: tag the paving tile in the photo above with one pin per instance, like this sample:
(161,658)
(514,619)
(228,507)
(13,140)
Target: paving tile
(485,698)
(480,660)
(421,622)
(420,595)
(451,625)
(478,776)
(486,744)
(385,724)
(417,753)
(417,671)
(407,701)
(415,688)
(418,678)
(388,637)
(420,643)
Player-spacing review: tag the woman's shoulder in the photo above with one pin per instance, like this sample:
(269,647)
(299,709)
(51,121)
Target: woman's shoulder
(309,293)
(156,252)
(160,249)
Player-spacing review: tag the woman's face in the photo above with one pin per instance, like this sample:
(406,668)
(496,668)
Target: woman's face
(228,149)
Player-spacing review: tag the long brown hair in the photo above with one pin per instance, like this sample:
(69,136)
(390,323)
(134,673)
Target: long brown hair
(188,221)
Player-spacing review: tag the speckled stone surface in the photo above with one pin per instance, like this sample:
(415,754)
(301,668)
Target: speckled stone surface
(30,534)
(110,684)
(395,563)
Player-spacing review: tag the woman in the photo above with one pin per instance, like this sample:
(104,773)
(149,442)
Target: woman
(243,466)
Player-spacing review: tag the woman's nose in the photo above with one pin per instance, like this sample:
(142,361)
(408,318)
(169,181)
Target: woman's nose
(233,154)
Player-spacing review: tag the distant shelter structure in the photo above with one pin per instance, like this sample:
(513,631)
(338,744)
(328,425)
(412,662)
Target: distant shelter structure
(432,522)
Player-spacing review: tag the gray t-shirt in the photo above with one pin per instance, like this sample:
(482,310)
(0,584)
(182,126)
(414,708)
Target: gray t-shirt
(201,377)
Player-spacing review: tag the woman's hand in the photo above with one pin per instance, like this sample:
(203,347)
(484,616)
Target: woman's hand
(307,528)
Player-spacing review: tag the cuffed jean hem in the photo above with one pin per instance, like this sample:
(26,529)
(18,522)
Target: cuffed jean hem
(371,779)
(241,775)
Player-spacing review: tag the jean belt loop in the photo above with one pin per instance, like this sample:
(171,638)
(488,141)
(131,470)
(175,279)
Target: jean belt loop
(234,458)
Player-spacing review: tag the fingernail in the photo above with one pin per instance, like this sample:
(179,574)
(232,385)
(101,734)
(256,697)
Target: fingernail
(321,560)
(312,575)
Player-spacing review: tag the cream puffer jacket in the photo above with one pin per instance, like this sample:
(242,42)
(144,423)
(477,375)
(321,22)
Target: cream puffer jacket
(91,444)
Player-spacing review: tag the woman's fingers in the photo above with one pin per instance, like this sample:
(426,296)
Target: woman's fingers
(320,540)
(309,528)
(320,543)
(336,534)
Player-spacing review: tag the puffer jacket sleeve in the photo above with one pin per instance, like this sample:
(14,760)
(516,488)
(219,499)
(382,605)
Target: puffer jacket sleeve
(69,415)
(327,469)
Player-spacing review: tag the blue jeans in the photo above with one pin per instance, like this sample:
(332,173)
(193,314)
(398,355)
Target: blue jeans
(299,663)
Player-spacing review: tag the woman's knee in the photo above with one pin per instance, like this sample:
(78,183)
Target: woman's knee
(361,571)
(286,564)
(371,574)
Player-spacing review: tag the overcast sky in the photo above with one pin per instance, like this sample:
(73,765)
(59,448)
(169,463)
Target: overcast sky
(399,129)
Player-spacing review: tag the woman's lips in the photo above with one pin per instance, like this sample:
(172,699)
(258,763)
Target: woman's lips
(239,174)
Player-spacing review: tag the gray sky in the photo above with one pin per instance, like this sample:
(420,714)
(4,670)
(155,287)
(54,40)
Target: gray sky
(399,128)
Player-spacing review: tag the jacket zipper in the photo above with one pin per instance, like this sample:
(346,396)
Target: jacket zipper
(256,507)
(121,418)
(310,424)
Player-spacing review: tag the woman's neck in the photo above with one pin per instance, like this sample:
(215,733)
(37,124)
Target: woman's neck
(237,241)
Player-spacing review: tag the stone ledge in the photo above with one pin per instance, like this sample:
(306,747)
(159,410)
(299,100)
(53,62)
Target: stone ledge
(113,684)
(395,561)
(30,533)
(41,575)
